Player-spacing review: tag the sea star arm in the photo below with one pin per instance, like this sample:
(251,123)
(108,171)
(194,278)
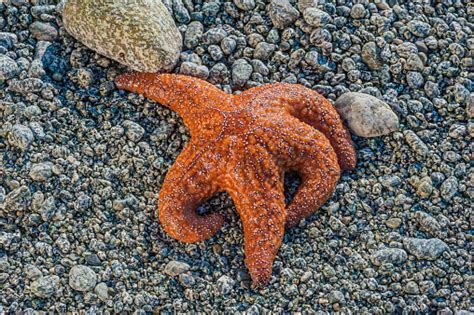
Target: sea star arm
(311,108)
(197,102)
(308,152)
(257,192)
(188,183)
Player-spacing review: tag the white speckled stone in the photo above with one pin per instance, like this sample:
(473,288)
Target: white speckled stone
(366,115)
(138,33)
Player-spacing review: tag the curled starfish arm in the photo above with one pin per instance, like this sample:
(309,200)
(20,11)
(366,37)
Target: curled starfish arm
(259,200)
(311,155)
(193,99)
(188,183)
(311,108)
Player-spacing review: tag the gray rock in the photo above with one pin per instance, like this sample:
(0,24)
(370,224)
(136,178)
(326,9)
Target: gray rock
(8,40)
(45,287)
(417,145)
(336,296)
(174,268)
(470,105)
(412,288)
(316,17)
(224,285)
(29,85)
(282,13)
(395,256)
(319,62)
(305,4)
(424,188)
(427,223)
(133,131)
(366,115)
(139,34)
(193,34)
(194,70)
(41,172)
(245,5)
(263,51)
(371,56)
(358,11)
(82,278)
(215,52)
(406,49)
(32,272)
(228,45)
(102,291)
(449,188)
(43,31)
(418,28)
(21,137)
(415,79)
(429,249)
(241,72)
(8,68)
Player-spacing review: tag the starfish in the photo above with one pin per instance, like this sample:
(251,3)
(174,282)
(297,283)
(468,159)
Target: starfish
(243,144)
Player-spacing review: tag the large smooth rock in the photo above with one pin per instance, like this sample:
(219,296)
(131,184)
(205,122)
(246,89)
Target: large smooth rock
(139,33)
(366,115)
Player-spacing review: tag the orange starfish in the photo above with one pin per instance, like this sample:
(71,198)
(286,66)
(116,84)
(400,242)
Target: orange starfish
(243,144)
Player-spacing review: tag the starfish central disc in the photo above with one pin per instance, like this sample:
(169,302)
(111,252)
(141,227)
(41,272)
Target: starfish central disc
(243,144)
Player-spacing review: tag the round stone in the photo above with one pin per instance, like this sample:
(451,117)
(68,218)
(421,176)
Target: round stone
(366,115)
(133,130)
(45,287)
(316,17)
(241,71)
(82,278)
(20,136)
(41,172)
(282,13)
(8,68)
(245,5)
(139,34)
(174,268)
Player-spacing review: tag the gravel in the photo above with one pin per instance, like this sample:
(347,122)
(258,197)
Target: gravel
(393,238)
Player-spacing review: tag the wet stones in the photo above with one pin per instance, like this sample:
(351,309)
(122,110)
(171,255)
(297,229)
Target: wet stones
(82,278)
(194,70)
(371,55)
(193,34)
(241,72)
(245,5)
(20,137)
(389,255)
(415,143)
(45,287)
(8,68)
(419,28)
(141,35)
(133,131)
(366,115)
(449,188)
(174,268)
(43,31)
(41,172)
(316,17)
(282,13)
(429,249)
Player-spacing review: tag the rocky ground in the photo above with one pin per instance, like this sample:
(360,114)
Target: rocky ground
(82,163)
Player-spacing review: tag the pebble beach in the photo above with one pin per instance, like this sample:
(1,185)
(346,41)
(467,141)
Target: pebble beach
(81,162)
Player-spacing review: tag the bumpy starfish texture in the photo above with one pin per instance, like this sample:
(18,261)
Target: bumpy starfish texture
(243,144)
